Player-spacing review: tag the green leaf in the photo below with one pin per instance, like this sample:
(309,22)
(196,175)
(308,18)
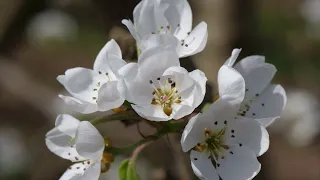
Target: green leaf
(127,170)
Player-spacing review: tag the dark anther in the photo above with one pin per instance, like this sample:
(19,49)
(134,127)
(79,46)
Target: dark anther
(195,159)
(240,144)
(232,131)
(257,95)
(151,81)
(216,123)
(262,104)
(225,122)
(158,78)
(231,152)
(186,45)
(232,136)
(253,114)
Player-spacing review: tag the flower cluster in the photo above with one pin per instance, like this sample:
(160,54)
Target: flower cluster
(224,141)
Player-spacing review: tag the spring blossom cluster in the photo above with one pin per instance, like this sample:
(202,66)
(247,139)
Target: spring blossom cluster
(224,141)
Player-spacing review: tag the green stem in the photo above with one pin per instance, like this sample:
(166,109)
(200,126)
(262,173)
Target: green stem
(127,115)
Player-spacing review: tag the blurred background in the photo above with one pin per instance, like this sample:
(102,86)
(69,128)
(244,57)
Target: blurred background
(40,39)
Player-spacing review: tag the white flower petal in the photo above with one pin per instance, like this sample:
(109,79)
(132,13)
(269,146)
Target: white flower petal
(130,26)
(200,89)
(232,59)
(181,110)
(214,118)
(108,63)
(78,105)
(82,171)
(151,112)
(202,166)
(185,24)
(152,64)
(257,75)
(130,70)
(241,164)
(196,41)
(267,121)
(79,82)
(155,40)
(248,133)
(150,17)
(62,145)
(269,104)
(231,83)
(67,124)
(89,142)
(180,76)
(111,47)
(155,61)
(193,133)
(247,64)
(109,97)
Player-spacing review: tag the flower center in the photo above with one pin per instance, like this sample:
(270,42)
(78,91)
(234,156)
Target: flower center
(165,94)
(214,143)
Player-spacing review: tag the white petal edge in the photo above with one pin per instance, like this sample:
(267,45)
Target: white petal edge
(89,142)
(80,171)
(109,97)
(67,124)
(196,41)
(240,164)
(78,105)
(232,59)
(231,83)
(202,166)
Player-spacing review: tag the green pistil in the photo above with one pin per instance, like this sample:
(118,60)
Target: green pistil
(215,143)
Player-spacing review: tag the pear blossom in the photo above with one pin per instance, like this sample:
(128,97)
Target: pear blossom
(263,101)
(79,142)
(167,22)
(159,88)
(95,90)
(222,144)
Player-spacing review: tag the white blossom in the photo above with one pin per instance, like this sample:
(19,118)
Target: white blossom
(167,22)
(159,88)
(221,143)
(79,142)
(263,101)
(95,90)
